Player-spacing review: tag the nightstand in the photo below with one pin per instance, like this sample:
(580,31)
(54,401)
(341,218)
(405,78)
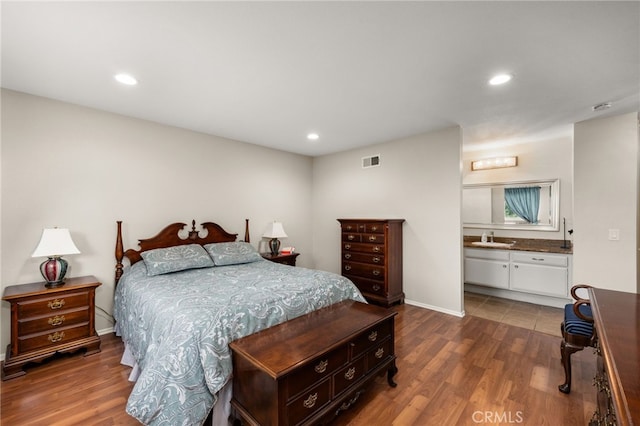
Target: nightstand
(285,259)
(49,320)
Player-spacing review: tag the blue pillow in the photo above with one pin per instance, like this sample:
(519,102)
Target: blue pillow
(177,258)
(232,253)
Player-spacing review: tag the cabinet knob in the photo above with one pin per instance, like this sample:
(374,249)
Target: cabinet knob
(376,249)
(351,237)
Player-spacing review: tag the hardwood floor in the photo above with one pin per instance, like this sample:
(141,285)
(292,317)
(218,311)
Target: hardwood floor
(452,371)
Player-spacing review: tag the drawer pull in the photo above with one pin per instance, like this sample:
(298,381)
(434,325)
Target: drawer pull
(351,237)
(56,337)
(57,320)
(374,228)
(347,255)
(372,238)
(537,259)
(56,304)
(347,246)
(322,366)
(376,259)
(311,400)
(376,287)
(348,227)
(376,249)
(373,336)
(375,272)
(379,353)
(347,267)
(350,374)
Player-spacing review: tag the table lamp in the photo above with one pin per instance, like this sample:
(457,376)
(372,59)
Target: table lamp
(275,231)
(55,243)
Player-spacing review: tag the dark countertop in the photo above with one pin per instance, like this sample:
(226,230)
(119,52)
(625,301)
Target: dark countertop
(524,244)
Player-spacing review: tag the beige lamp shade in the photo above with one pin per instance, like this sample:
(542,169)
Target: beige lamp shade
(55,242)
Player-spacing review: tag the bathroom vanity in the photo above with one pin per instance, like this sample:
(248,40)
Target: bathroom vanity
(529,270)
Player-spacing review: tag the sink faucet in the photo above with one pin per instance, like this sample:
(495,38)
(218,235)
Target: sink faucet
(491,235)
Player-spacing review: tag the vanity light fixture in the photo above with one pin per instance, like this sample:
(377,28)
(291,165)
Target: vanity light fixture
(494,163)
(127,79)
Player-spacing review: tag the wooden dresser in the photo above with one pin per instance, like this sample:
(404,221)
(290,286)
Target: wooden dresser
(49,320)
(617,320)
(308,370)
(372,258)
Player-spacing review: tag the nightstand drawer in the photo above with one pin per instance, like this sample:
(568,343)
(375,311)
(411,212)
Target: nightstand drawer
(49,305)
(53,321)
(52,337)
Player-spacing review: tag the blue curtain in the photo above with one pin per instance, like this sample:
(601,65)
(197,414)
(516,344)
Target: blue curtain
(524,201)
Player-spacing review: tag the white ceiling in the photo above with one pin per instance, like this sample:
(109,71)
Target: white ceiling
(357,73)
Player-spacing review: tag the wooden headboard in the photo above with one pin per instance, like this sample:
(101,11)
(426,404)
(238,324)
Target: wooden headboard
(169,237)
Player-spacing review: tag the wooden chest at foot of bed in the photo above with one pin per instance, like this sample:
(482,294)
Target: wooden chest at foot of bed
(311,368)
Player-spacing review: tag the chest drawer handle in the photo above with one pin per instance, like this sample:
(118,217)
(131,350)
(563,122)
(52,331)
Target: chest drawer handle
(376,259)
(380,353)
(56,337)
(376,249)
(347,255)
(376,287)
(350,374)
(57,320)
(311,400)
(347,246)
(322,366)
(351,237)
(347,267)
(373,336)
(372,237)
(375,272)
(56,304)
(348,227)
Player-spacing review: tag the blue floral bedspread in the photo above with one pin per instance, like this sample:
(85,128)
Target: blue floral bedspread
(179,325)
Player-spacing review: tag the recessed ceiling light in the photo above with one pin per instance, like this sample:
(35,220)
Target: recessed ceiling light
(500,79)
(127,79)
(601,107)
(313,136)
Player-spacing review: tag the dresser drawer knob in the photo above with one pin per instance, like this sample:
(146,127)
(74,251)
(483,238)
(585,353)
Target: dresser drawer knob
(347,255)
(322,366)
(56,304)
(56,337)
(376,259)
(376,249)
(351,237)
(347,267)
(57,320)
(373,336)
(350,374)
(375,272)
(311,400)
(376,287)
(374,228)
(379,353)
(372,238)
(347,246)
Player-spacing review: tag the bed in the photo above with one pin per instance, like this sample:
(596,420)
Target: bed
(180,301)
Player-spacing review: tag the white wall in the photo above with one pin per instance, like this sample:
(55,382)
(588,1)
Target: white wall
(418,180)
(606,197)
(537,160)
(70,166)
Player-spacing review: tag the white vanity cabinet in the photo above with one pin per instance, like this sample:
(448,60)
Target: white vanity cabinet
(535,277)
(487,267)
(540,273)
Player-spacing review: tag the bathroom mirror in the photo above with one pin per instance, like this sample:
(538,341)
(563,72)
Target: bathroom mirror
(500,205)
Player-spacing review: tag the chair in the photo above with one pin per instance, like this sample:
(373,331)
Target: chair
(577,332)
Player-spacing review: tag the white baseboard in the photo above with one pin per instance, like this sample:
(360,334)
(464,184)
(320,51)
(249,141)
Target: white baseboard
(435,308)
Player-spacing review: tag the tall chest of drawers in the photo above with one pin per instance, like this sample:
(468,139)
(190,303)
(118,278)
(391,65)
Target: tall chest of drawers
(49,320)
(371,251)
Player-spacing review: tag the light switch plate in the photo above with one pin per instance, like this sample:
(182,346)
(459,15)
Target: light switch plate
(614,234)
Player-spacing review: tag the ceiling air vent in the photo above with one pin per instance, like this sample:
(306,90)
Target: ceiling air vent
(372,161)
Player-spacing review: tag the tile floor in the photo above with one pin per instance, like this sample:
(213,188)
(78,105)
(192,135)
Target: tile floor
(520,314)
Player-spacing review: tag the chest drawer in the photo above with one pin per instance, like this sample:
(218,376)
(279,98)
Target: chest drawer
(317,370)
(379,354)
(45,306)
(371,338)
(364,270)
(349,375)
(375,259)
(52,321)
(52,337)
(309,403)
(363,248)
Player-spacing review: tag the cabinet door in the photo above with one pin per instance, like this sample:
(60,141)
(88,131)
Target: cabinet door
(539,279)
(489,273)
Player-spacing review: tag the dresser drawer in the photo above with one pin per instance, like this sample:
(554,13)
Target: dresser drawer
(379,354)
(373,238)
(44,306)
(368,286)
(52,337)
(352,227)
(363,248)
(348,375)
(371,338)
(374,228)
(317,370)
(52,321)
(309,402)
(351,237)
(374,259)
(363,270)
